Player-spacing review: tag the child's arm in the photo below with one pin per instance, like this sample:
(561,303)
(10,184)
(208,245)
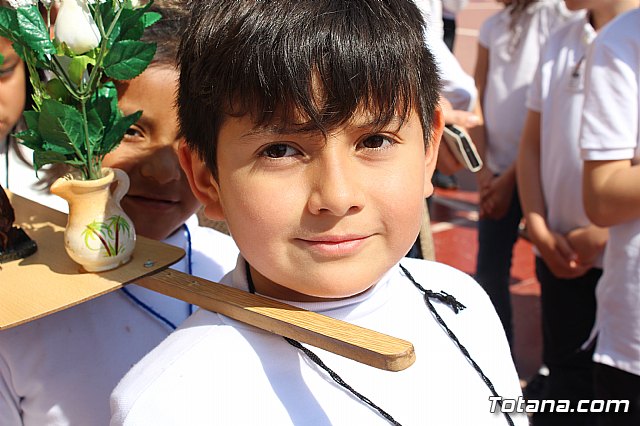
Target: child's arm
(478,134)
(609,134)
(588,243)
(554,248)
(611,191)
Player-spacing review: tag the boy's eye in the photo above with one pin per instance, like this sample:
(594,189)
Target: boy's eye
(132,133)
(279,150)
(7,70)
(376,142)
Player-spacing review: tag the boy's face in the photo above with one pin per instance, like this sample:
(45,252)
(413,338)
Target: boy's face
(318,217)
(159,200)
(12,88)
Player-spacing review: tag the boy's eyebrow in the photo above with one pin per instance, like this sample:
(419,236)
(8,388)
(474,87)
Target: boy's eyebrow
(275,129)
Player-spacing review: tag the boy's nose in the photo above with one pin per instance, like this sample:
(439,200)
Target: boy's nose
(161,165)
(335,190)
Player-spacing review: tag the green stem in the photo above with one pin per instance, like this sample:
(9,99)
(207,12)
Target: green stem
(91,166)
(96,72)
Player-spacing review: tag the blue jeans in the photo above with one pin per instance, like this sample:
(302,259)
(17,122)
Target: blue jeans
(496,239)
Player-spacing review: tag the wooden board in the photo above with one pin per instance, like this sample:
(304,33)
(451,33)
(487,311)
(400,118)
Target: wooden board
(49,281)
(357,343)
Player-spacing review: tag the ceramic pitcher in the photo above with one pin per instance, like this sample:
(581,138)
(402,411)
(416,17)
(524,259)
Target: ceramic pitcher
(99,235)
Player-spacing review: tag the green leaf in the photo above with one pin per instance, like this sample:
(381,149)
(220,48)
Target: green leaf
(129,26)
(62,126)
(134,24)
(30,138)
(78,66)
(33,31)
(105,102)
(113,137)
(31,118)
(150,18)
(57,90)
(8,23)
(128,59)
(96,129)
(42,158)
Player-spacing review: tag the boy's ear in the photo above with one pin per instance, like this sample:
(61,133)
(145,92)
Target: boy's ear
(203,185)
(432,150)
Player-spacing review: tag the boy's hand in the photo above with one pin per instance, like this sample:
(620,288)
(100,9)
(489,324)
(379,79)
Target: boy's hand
(588,243)
(496,195)
(558,255)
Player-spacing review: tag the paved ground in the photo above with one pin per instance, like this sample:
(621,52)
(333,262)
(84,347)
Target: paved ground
(454,215)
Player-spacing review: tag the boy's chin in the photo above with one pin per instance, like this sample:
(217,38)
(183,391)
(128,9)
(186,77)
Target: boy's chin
(157,231)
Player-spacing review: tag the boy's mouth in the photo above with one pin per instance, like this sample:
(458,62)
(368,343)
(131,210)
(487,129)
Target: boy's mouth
(151,202)
(335,245)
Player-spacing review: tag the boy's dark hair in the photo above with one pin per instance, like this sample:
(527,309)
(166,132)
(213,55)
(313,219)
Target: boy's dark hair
(315,61)
(166,32)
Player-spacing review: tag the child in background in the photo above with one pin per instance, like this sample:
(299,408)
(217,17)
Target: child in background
(569,247)
(59,370)
(610,143)
(509,46)
(313,134)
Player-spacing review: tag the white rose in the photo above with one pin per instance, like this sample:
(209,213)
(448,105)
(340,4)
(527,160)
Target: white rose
(75,26)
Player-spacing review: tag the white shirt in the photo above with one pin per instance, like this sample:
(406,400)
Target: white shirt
(452,7)
(557,93)
(20,177)
(513,60)
(60,369)
(457,86)
(217,371)
(610,131)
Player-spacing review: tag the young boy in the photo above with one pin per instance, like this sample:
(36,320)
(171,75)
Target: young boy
(610,142)
(59,370)
(311,128)
(569,247)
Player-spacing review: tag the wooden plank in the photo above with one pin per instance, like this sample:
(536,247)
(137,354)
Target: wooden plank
(49,281)
(357,343)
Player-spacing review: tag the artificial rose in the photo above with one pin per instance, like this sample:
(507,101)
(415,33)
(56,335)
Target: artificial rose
(75,26)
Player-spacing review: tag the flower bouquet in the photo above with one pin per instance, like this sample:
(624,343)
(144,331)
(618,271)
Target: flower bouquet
(75,119)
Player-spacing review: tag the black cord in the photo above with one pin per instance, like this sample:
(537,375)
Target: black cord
(316,360)
(442,296)
(455,305)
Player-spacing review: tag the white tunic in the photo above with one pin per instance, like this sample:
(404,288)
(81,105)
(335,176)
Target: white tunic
(60,369)
(610,131)
(20,177)
(217,371)
(557,93)
(513,60)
